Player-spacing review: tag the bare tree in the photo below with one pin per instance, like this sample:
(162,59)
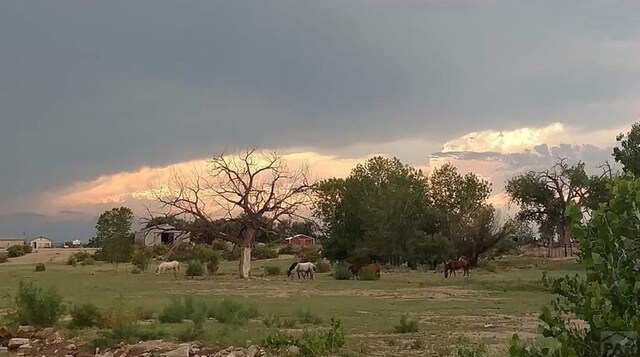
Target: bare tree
(253,188)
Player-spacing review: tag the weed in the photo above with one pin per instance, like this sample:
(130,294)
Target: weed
(466,348)
(270,320)
(308,317)
(288,323)
(406,325)
(40,267)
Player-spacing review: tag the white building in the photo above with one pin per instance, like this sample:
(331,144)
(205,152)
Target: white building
(76,243)
(40,242)
(161,234)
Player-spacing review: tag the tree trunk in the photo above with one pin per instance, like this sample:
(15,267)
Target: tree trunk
(245,253)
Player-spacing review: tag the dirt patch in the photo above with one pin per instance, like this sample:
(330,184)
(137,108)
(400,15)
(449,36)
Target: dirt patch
(47,255)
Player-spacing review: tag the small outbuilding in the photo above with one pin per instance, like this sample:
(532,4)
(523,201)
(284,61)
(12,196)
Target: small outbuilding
(40,242)
(300,239)
(161,234)
(5,243)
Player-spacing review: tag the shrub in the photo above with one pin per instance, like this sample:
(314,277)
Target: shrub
(312,343)
(37,306)
(4,257)
(160,250)
(308,317)
(309,255)
(176,311)
(141,257)
(264,252)
(81,256)
(40,267)
(87,315)
(231,312)
(467,349)
(606,297)
(367,273)
(272,270)
(89,261)
(136,271)
(342,272)
(287,249)
(15,251)
(212,266)
(406,325)
(233,255)
(270,320)
(72,261)
(219,244)
(194,268)
(123,327)
(288,323)
(323,266)
(195,329)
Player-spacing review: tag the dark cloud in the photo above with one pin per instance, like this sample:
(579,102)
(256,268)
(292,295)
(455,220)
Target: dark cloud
(96,87)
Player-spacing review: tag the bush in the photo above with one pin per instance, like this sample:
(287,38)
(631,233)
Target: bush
(159,250)
(141,258)
(4,257)
(342,272)
(309,255)
(270,320)
(323,266)
(175,312)
(308,317)
(367,273)
(81,256)
(271,270)
(40,267)
(219,245)
(312,343)
(606,297)
(264,252)
(89,261)
(194,268)
(406,325)
(15,251)
(136,271)
(231,312)
(72,261)
(287,249)
(36,306)
(467,349)
(233,255)
(87,315)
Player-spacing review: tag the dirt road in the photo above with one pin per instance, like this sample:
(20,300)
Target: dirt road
(46,255)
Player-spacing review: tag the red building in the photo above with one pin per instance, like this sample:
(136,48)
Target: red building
(300,239)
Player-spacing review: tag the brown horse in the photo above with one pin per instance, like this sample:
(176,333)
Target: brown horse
(356,268)
(452,265)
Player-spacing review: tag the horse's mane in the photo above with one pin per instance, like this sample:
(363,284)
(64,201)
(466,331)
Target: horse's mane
(291,267)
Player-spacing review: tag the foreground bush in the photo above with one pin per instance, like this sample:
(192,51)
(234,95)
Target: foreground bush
(606,298)
(87,315)
(123,328)
(231,312)
(271,270)
(15,251)
(308,317)
(263,252)
(36,306)
(40,267)
(342,272)
(4,257)
(312,343)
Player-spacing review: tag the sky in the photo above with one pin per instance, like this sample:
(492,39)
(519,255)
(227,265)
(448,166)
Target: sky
(100,100)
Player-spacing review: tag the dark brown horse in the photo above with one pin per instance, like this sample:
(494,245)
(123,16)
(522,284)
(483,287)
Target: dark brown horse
(356,268)
(452,265)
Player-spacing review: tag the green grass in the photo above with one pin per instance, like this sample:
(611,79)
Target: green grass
(444,308)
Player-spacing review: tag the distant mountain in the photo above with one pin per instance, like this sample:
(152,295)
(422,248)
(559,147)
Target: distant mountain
(65,226)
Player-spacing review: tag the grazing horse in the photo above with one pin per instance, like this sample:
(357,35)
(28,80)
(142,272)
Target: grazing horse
(303,269)
(452,265)
(356,268)
(164,266)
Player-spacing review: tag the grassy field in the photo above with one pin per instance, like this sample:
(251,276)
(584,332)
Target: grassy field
(487,307)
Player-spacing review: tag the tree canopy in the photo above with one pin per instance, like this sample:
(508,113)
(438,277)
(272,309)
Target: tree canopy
(628,151)
(113,234)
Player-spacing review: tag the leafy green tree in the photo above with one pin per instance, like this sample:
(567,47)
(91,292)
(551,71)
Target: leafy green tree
(628,153)
(113,234)
(607,298)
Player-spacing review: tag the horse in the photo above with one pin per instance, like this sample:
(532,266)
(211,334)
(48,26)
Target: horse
(303,269)
(452,265)
(355,269)
(164,266)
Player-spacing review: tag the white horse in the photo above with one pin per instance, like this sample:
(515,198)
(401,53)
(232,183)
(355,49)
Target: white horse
(164,266)
(303,269)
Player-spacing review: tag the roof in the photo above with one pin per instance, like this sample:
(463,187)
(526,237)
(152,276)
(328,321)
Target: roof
(303,236)
(11,239)
(39,237)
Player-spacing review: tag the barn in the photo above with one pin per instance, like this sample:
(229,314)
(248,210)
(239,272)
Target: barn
(161,234)
(41,242)
(300,239)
